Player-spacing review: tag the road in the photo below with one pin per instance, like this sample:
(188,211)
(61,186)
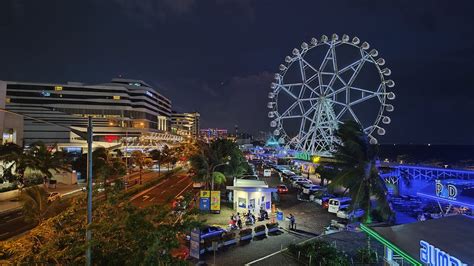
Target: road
(165,191)
(12,222)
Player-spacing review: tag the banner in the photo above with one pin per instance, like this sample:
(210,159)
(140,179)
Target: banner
(205,194)
(194,249)
(204,204)
(215,200)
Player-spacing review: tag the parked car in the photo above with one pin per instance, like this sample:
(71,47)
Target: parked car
(344,213)
(335,204)
(282,189)
(181,252)
(299,179)
(54,196)
(310,188)
(321,197)
(293,177)
(300,184)
(211,231)
(287,172)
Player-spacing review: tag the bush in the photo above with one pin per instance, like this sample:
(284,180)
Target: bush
(319,251)
(272,225)
(259,228)
(228,236)
(366,256)
(246,231)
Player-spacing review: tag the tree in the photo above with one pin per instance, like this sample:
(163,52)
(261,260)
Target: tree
(149,235)
(139,159)
(219,178)
(45,160)
(15,160)
(326,173)
(158,156)
(35,204)
(359,174)
(209,157)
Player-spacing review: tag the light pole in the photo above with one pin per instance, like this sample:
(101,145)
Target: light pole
(89,138)
(212,173)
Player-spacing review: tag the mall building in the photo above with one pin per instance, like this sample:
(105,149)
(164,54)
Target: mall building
(119,108)
(185,124)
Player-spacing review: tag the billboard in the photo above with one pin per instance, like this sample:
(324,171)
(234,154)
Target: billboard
(215,201)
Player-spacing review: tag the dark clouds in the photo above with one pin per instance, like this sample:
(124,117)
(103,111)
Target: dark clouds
(217,56)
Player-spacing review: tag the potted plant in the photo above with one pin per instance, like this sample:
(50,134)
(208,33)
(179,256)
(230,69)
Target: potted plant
(259,230)
(229,238)
(272,227)
(245,234)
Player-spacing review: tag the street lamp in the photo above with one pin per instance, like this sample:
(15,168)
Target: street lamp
(212,172)
(89,138)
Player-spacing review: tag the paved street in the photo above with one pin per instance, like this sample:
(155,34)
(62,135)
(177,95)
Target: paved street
(165,191)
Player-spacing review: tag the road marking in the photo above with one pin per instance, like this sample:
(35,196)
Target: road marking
(152,199)
(145,197)
(163,191)
(183,190)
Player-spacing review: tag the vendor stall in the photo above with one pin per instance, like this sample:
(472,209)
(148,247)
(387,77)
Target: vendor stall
(251,195)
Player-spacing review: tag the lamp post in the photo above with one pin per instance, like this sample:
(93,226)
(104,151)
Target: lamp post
(89,138)
(212,173)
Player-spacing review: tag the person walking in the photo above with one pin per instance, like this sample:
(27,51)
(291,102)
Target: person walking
(292,222)
(239,221)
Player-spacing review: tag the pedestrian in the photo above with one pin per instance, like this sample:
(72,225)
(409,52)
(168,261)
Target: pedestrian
(292,221)
(239,221)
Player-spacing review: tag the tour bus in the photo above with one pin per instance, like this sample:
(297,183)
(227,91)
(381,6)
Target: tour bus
(337,203)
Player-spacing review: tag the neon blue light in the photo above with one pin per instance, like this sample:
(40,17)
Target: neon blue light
(455,202)
(447,191)
(433,256)
(454,171)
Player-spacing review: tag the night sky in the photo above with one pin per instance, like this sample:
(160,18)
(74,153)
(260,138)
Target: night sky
(218,57)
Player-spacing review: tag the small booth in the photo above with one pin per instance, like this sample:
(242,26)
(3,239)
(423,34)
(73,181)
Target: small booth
(251,195)
(438,242)
(456,195)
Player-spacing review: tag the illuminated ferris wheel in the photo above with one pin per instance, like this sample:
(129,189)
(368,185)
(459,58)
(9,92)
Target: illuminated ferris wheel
(324,83)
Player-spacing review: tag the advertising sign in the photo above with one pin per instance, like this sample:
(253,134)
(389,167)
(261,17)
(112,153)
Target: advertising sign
(216,201)
(204,204)
(446,190)
(195,240)
(205,194)
(431,255)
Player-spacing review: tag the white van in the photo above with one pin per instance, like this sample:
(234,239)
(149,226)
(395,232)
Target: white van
(337,203)
(267,173)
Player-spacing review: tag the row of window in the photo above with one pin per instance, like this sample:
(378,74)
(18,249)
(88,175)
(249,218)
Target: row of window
(149,94)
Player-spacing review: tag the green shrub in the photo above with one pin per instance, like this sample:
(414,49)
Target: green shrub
(366,256)
(272,225)
(319,251)
(259,228)
(246,231)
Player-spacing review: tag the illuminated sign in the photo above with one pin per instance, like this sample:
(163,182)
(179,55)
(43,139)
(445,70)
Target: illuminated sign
(215,200)
(58,88)
(116,97)
(205,194)
(447,191)
(303,156)
(433,256)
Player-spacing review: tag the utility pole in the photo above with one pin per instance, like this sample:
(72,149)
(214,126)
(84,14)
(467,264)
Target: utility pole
(89,192)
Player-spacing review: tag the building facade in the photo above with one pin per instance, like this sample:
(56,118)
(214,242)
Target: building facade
(11,125)
(122,107)
(210,134)
(185,124)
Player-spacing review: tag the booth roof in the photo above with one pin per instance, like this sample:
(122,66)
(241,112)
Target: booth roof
(252,189)
(452,234)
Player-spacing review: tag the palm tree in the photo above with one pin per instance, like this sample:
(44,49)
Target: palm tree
(47,160)
(158,156)
(359,174)
(210,156)
(139,159)
(35,204)
(15,160)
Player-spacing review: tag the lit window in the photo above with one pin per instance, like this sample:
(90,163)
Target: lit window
(45,93)
(58,88)
(116,97)
(7,100)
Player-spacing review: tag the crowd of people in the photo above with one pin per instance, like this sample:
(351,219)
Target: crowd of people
(249,219)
